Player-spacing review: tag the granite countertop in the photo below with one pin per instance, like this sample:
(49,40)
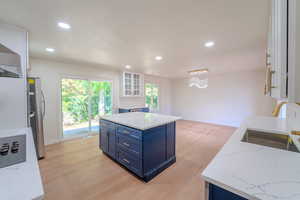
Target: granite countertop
(22,181)
(140,120)
(253,171)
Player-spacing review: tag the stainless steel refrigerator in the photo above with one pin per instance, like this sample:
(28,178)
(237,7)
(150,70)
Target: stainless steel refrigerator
(36,110)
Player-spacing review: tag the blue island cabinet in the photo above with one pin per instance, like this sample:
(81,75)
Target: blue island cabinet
(145,153)
(108,138)
(218,193)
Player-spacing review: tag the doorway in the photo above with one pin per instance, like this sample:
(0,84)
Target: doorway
(82,102)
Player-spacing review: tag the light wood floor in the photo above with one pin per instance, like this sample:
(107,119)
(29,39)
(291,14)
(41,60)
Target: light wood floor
(77,170)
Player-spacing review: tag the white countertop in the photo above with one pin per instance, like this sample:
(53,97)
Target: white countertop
(140,120)
(256,172)
(22,181)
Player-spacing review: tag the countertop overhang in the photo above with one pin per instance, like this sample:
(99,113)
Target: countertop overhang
(140,120)
(256,172)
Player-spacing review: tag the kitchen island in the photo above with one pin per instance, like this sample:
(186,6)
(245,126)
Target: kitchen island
(143,143)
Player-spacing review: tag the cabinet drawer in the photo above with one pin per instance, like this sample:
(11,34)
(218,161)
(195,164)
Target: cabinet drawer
(129,144)
(132,163)
(129,132)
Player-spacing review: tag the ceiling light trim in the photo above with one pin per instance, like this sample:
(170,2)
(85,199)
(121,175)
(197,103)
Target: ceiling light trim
(209,44)
(49,49)
(159,58)
(64,25)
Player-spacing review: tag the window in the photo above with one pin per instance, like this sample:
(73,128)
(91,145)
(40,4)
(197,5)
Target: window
(151,92)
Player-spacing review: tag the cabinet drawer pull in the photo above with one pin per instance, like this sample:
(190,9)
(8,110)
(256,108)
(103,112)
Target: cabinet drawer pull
(269,86)
(124,159)
(126,144)
(296,133)
(125,131)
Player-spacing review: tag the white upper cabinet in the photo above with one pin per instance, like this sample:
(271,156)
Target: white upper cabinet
(277,52)
(13,64)
(132,84)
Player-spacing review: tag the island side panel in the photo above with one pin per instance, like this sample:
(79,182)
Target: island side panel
(158,149)
(103,132)
(154,148)
(107,138)
(171,140)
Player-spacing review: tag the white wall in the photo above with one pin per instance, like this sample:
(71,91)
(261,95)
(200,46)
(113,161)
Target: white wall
(51,73)
(228,100)
(13,99)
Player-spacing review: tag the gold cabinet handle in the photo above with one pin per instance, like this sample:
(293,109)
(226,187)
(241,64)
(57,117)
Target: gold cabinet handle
(269,86)
(267,59)
(126,144)
(296,133)
(126,132)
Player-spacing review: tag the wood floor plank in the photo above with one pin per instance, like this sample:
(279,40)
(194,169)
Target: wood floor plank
(78,170)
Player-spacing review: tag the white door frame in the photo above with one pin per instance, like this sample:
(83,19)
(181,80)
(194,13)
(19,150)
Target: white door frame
(60,114)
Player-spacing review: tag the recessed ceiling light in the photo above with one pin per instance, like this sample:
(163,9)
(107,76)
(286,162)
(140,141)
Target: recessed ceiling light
(128,66)
(158,58)
(64,25)
(50,50)
(209,44)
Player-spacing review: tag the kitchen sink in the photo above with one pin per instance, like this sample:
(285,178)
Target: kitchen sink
(278,141)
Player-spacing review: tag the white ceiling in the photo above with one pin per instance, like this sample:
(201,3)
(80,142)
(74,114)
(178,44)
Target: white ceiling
(115,33)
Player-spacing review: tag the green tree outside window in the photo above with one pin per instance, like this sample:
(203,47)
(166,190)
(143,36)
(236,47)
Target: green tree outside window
(151,93)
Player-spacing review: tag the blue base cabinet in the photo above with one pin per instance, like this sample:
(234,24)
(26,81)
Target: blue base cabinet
(144,153)
(123,110)
(108,138)
(217,193)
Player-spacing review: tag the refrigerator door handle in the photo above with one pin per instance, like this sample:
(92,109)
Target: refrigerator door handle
(32,114)
(44,104)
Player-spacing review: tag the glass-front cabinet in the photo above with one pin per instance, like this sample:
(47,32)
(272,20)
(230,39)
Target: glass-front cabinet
(136,85)
(132,84)
(127,84)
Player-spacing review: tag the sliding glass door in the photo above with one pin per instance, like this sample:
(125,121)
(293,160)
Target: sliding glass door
(83,101)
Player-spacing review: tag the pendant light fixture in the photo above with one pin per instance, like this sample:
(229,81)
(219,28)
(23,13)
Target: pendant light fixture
(198,78)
